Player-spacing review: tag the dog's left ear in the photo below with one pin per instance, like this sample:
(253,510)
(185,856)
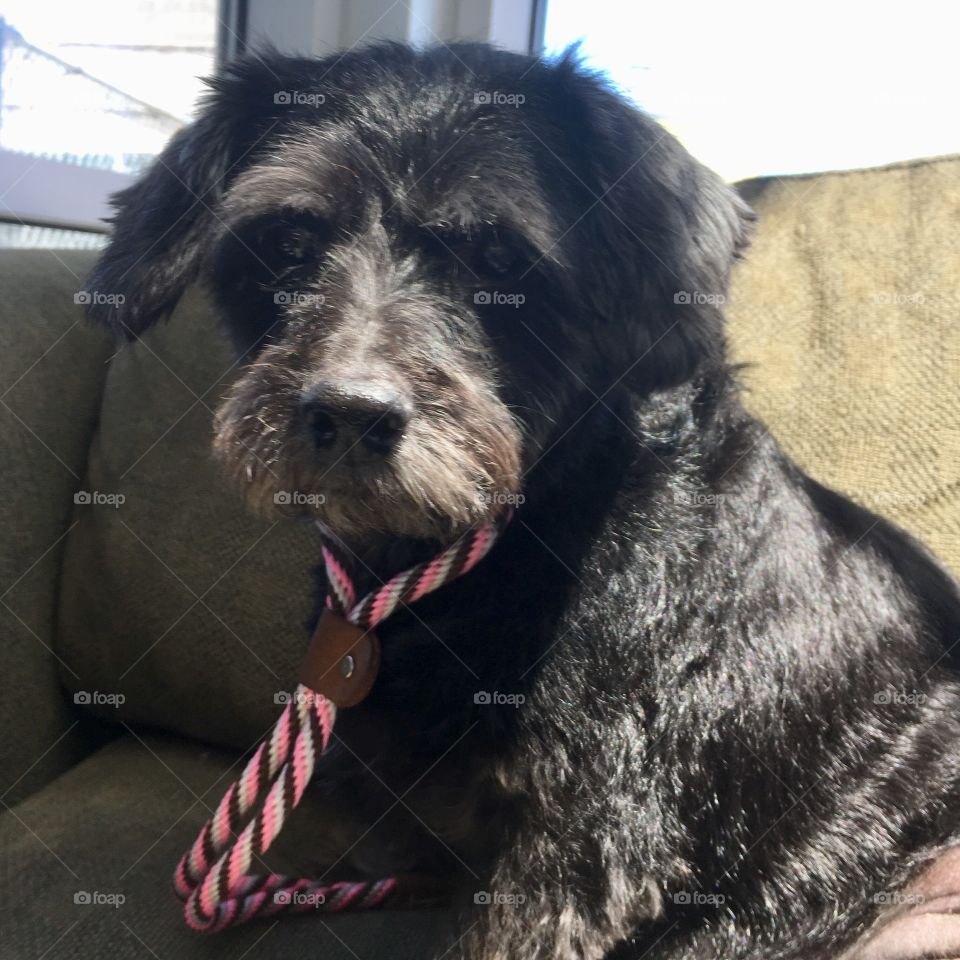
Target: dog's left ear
(666,233)
(162,222)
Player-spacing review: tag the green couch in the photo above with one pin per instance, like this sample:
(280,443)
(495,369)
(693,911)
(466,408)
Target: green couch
(148,622)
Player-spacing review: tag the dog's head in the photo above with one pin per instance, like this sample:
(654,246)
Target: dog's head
(426,261)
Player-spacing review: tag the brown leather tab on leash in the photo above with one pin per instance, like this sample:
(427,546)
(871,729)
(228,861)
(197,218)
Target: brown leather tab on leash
(342,661)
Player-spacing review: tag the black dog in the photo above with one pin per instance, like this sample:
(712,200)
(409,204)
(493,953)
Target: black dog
(726,723)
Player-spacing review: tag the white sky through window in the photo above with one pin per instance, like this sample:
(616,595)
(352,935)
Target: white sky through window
(756,88)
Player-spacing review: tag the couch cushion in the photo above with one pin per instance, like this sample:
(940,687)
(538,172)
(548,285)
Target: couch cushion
(178,608)
(52,368)
(114,827)
(848,307)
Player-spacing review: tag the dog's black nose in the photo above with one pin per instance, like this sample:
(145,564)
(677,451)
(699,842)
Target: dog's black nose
(353,413)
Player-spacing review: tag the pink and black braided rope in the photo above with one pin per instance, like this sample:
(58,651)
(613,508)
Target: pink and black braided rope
(406,587)
(213,876)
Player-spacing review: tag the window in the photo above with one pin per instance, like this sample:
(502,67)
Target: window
(90,93)
(755,88)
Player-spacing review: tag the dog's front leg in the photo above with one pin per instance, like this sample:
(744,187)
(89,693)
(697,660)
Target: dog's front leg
(570,881)
(552,911)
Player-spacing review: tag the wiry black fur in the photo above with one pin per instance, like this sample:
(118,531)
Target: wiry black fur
(740,689)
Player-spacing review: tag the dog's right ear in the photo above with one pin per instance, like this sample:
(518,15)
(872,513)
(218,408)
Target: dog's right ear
(163,221)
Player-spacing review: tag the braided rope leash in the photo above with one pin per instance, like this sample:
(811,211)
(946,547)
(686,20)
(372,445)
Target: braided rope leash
(212,877)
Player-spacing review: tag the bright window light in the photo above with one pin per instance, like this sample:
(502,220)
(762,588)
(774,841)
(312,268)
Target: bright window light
(755,88)
(101,84)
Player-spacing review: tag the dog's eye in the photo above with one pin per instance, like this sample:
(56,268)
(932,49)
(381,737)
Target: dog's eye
(298,246)
(286,245)
(499,257)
